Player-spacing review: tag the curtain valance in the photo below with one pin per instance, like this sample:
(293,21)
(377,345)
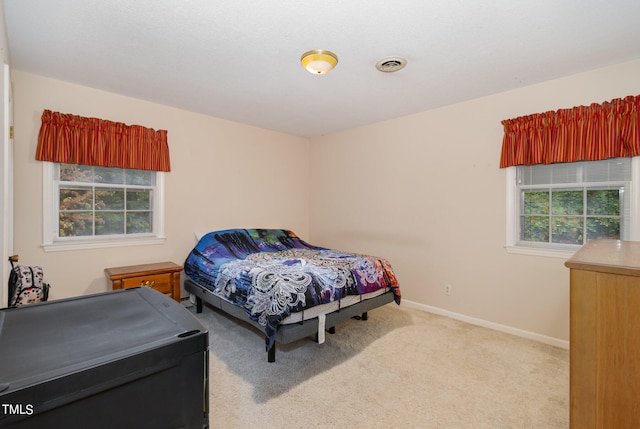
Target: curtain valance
(583,133)
(90,141)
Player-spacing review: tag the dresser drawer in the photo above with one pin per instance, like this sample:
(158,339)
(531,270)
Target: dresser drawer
(159,282)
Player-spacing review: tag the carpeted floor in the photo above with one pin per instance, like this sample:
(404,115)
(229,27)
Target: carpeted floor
(402,368)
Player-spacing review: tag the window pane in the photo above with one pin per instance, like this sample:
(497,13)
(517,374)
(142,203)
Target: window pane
(598,171)
(536,174)
(567,230)
(75,224)
(615,169)
(603,202)
(535,228)
(566,173)
(76,173)
(109,175)
(620,169)
(108,223)
(76,198)
(536,202)
(139,177)
(567,202)
(587,199)
(109,199)
(541,174)
(603,228)
(139,200)
(523,175)
(608,170)
(138,222)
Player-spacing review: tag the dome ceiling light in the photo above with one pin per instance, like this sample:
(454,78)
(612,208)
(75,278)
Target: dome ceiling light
(319,61)
(391,64)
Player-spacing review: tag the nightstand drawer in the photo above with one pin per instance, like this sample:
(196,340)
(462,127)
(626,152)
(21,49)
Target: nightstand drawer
(159,282)
(163,277)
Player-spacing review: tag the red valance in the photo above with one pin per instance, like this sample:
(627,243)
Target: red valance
(583,133)
(91,141)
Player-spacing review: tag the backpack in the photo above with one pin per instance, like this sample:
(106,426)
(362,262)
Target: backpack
(26,284)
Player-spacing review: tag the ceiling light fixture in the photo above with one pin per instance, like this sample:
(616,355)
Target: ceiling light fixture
(319,61)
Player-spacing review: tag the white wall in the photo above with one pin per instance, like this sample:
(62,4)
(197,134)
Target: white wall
(223,175)
(426,192)
(6,165)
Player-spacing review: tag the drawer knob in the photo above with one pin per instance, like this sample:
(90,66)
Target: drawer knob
(148,283)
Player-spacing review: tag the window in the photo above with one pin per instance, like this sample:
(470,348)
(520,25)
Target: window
(559,207)
(91,206)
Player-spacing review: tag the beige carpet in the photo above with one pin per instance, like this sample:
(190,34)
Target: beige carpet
(402,368)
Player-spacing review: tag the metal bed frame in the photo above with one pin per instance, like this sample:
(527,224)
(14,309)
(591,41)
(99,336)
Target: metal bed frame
(289,333)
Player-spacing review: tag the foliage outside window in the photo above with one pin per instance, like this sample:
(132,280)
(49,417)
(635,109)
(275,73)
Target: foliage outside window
(104,202)
(565,205)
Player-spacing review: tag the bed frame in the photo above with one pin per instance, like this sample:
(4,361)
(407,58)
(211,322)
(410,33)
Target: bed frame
(288,333)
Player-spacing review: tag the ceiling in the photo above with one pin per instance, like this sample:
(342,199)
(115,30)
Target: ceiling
(240,60)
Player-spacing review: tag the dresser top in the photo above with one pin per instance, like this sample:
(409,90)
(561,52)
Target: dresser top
(608,256)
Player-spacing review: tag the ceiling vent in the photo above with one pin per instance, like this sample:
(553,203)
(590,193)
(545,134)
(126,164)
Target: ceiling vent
(391,64)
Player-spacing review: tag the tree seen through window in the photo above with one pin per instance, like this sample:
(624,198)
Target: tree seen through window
(101,201)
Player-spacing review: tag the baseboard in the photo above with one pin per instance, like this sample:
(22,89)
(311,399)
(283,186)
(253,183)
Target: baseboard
(486,324)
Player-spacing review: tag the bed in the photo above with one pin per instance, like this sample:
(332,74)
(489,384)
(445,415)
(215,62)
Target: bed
(285,286)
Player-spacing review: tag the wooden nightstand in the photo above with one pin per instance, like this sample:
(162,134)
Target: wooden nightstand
(163,277)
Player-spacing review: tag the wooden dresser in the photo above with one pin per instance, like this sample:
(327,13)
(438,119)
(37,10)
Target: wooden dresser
(605,335)
(163,277)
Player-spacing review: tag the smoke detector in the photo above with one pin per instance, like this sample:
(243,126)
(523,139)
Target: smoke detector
(391,64)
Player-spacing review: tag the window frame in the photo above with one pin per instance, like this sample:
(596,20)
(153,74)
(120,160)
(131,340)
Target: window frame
(51,242)
(512,217)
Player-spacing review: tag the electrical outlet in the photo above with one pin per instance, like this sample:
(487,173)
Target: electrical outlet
(447,289)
